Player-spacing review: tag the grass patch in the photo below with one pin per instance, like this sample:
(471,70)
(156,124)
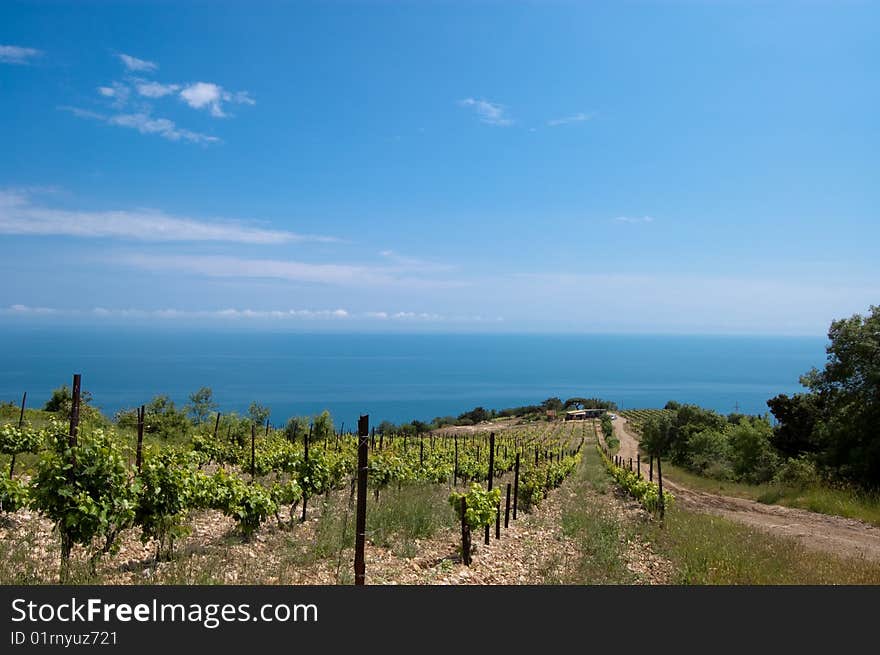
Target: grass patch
(707,549)
(824,500)
(596,531)
(401,517)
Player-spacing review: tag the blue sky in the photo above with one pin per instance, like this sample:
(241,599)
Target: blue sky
(694,167)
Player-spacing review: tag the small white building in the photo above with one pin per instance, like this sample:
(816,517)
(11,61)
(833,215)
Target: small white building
(583,414)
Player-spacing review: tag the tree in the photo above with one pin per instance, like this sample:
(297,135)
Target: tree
(386,427)
(476,415)
(258,413)
(323,426)
(61,401)
(201,405)
(162,418)
(797,417)
(590,403)
(751,452)
(847,395)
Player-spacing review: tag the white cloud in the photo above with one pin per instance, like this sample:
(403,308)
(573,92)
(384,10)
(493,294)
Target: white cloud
(13,54)
(634,219)
(150,89)
(18,215)
(117,91)
(404,263)
(575,118)
(490,113)
(135,64)
(232,313)
(146,124)
(164,127)
(206,95)
(346,275)
(22,310)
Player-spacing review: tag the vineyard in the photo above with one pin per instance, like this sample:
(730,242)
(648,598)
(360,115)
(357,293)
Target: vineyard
(97,485)
(637,417)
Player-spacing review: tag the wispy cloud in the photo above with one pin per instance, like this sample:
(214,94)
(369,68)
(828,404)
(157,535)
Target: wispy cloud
(150,89)
(234,314)
(117,92)
(138,65)
(23,310)
(489,112)
(206,95)
(19,215)
(580,117)
(14,54)
(346,275)
(403,262)
(146,124)
(634,219)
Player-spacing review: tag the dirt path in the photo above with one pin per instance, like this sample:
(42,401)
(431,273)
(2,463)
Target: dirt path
(833,534)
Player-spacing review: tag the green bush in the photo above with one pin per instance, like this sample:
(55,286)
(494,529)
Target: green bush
(13,495)
(86,491)
(481,505)
(798,473)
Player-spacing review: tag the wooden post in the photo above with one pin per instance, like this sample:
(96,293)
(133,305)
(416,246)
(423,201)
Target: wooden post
(491,459)
(139,457)
(360,566)
(498,520)
(507,508)
(491,472)
(455,464)
(421,451)
(253,449)
(267,427)
(66,540)
(660,484)
(465,534)
(21,414)
(515,486)
(20,423)
(74,410)
(306,458)
(216,425)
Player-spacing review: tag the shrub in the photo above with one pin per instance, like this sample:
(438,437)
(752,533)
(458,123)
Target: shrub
(797,472)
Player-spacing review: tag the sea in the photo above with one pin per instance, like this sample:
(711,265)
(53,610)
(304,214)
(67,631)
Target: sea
(400,377)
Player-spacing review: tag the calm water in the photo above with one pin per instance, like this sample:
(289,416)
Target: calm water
(401,377)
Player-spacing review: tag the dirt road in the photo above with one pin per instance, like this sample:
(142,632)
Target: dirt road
(833,534)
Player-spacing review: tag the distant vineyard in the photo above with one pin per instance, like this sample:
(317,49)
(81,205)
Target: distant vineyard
(637,417)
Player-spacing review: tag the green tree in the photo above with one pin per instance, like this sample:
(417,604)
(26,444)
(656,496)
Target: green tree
(163,419)
(201,405)
(258,413)
(323,426)
(61,401)
(847,394)
(751,451)
(794,435)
